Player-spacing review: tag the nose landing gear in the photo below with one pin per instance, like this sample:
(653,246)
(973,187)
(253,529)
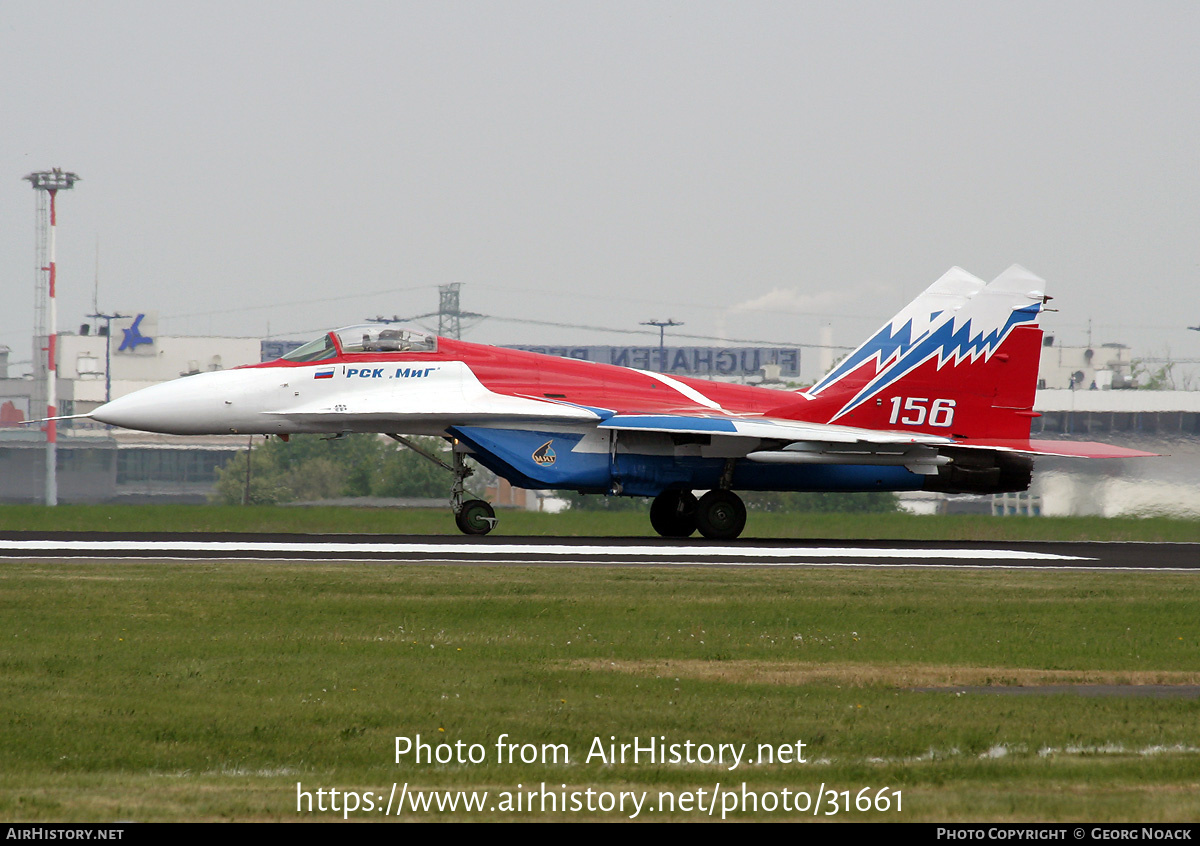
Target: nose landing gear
(473,516)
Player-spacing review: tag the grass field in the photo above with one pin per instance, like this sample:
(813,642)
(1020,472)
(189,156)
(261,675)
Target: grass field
(899,526)
(168,691)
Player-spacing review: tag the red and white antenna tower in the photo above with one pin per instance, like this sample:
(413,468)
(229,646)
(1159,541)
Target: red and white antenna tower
(47,184)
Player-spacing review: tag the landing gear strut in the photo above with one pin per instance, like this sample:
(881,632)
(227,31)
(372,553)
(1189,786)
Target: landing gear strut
(473,517)
(719,515)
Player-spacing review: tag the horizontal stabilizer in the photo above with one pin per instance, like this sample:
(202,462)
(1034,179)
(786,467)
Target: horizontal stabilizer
(1067,449)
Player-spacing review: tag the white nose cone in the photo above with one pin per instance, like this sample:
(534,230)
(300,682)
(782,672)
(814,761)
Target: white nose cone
(204,404)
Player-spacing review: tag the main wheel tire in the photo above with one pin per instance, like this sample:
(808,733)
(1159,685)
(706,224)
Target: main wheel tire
(476,518)
(721,515)
(673,514)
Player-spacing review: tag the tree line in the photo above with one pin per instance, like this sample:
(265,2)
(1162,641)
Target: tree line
(309,468)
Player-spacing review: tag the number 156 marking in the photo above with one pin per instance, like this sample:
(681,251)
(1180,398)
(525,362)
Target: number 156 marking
(940,413)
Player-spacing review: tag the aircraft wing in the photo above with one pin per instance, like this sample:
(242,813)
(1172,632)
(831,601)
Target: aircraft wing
(764,428)
(767,440)
(779,441)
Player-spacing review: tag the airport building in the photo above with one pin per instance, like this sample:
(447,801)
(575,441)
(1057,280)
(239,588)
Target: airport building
(97,463)
(1085,393)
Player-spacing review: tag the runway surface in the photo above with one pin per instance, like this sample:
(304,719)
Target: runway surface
(405,549)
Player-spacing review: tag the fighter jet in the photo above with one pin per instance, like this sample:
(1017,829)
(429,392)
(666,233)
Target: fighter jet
(939,399)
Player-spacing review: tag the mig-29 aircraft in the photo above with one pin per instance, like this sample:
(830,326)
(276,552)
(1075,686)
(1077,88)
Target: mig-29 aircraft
(939,399)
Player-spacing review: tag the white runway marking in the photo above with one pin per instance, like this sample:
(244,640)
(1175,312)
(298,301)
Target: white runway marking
(695,553)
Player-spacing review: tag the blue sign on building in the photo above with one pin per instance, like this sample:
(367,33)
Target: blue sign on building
(705,362)
(272,350)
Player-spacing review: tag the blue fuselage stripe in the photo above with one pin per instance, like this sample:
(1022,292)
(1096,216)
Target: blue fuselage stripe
(674,423)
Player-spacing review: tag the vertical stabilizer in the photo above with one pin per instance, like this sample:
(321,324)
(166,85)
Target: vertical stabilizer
(961,360)
(894,338)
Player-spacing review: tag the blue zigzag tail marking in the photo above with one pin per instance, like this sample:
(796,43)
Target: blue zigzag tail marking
(946,343)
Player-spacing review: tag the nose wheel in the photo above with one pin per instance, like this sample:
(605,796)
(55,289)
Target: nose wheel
(476,517)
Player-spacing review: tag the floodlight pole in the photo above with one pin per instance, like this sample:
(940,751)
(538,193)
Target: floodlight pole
(108,319)
(52,181)
(662,349)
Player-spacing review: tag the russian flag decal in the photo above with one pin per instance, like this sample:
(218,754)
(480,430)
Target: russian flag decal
(323,374)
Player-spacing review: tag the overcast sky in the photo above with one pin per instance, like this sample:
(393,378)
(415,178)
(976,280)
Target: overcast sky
(755,170)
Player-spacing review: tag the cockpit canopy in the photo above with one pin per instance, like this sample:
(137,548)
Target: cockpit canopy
(316,350)
(373,337)
(366,338)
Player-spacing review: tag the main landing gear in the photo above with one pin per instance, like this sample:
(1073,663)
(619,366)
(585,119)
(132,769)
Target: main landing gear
(719,514)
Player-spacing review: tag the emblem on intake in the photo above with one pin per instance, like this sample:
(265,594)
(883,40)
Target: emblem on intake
(544,454)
